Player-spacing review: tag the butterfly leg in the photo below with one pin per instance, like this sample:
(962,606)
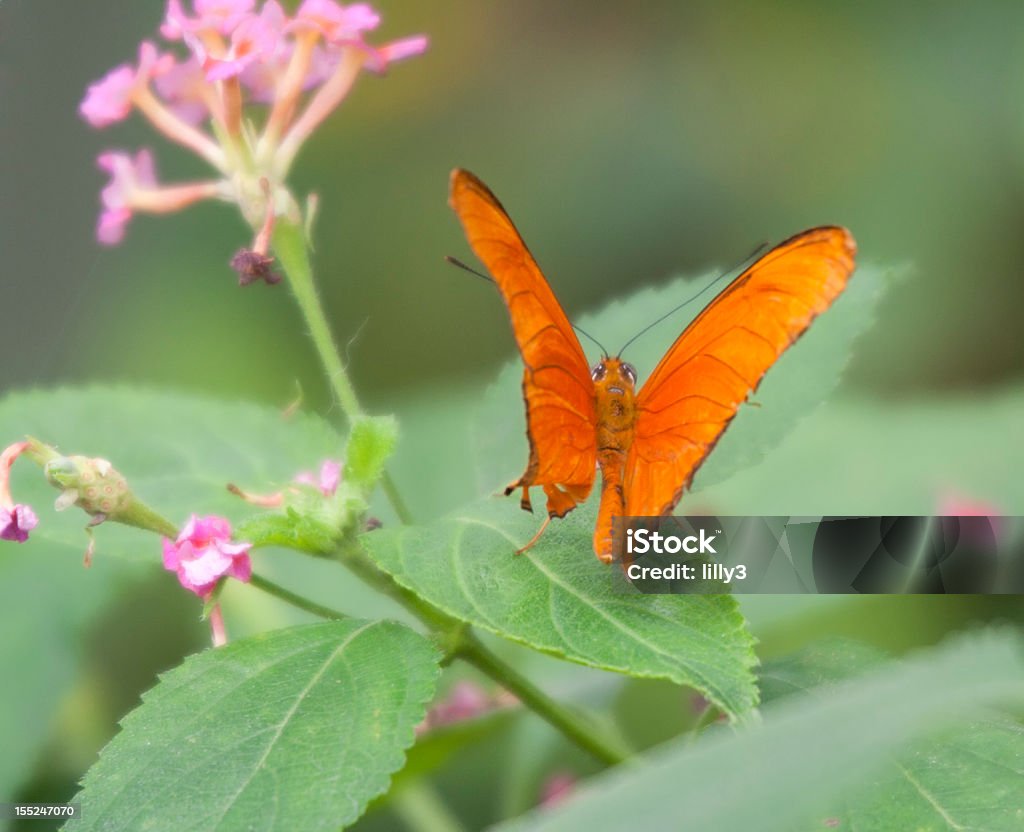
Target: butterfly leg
(536,537)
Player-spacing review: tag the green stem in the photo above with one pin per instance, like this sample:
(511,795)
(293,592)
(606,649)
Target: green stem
(423,810)
(456,640)
(569,722)
(707,717)
(290,597)
(289,244)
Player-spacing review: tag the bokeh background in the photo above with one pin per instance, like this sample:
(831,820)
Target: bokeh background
(632,143)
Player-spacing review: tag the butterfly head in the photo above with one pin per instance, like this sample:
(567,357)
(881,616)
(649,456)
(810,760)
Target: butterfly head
(614,376)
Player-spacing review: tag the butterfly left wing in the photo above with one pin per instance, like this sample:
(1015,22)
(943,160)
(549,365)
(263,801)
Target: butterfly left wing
(721,357)
(559,394)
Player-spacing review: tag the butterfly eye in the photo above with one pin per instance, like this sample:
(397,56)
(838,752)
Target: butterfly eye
(630,372)
(597,374)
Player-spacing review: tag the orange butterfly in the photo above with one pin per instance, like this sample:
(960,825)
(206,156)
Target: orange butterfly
(650,443)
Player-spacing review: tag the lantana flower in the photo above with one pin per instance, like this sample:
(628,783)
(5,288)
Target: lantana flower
(204,553)
(16,519)
(328,479)
(244,87)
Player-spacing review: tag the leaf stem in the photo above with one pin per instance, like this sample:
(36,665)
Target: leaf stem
(570,722)
(290,597)
(289,243)
(457,640)
(422,809)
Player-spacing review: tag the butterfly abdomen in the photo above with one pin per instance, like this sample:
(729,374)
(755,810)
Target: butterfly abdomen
(614,392)
(613,501)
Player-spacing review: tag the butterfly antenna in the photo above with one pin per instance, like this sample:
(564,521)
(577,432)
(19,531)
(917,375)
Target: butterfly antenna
(585,334)
(455,261)
(757,250)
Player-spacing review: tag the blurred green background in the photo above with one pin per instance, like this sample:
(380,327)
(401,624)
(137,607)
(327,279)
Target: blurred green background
(631,143)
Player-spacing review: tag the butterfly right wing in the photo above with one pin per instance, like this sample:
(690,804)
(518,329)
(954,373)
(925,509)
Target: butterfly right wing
(561,420)
(721,357)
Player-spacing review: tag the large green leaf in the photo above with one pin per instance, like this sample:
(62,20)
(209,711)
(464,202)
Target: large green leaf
(559,599)
(808,752)
(970,776)
(802,378)
(177,452)
(296,729)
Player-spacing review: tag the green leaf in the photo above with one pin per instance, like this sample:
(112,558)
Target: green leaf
(964,447)
(370,443)
(296,729)
(829,661)
(178,453)
(439,745)
(561,600)
(968,777)
(802,378)
(807,752)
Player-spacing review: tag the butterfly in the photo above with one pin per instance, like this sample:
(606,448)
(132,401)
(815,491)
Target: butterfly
(649,442)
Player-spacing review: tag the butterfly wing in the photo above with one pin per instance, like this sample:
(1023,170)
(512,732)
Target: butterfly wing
(557,388)
(721,357)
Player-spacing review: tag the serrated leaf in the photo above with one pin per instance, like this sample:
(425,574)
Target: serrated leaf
(970,776)
(806,752)
(178,453)
(559,599)
(801,379)
(296,729)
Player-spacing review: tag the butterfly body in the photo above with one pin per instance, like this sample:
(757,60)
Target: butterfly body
(615,403)
(648,443)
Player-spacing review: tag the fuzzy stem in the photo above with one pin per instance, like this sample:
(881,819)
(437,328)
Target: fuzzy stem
(289,244)
(218,635)
(574,725)
(422,809)
(297,601)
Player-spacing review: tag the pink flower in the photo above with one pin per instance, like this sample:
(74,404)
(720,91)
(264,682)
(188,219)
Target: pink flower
(133,187)
(260,78)
(110,99)
(344,26)
(240,53)
(337,23)
(17,522)
(328,481)
(557,789)
(204,553)
(980,520)
(220,16)
(466,700)
(397,50)
(128,177)
(953,504)
(184,88)
(254,41)
(16,519)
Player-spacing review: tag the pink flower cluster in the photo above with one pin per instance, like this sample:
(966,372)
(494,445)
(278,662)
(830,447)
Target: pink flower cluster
(204,553)
(296,68)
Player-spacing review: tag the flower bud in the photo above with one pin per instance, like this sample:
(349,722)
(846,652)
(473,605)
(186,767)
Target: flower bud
(92,484)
